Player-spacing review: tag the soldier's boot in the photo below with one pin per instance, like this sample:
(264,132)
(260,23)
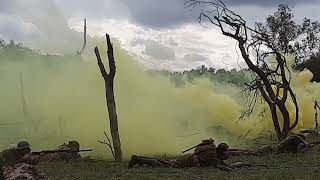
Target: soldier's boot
(134,160)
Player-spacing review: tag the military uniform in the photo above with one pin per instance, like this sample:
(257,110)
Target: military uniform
(205,154)
(288,145)
(291,144)
(185,161)
(17,154)
(72,146)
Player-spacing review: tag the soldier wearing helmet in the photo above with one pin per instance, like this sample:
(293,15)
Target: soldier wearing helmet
(72,148)
(205,154)
(290,144)
(18,154)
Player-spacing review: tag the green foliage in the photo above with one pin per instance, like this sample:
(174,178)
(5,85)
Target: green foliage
(281,33)
(233,77)
(16,52)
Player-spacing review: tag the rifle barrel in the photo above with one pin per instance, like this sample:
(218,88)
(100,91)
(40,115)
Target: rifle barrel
(60,150)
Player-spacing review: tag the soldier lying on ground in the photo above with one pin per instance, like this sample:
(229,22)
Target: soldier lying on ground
(205,154)
(290,144)
(71,153)
(22,154)
(16,154)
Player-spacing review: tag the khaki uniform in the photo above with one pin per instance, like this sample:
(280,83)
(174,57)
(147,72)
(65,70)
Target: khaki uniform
(185,161)
(204,155)
(11,157)
(288,145)
(313,148)
(60,156)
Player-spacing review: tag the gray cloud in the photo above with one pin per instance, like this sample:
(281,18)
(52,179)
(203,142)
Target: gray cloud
(14,28)
(38,24)
(149,13)
(267,2)
(93,8)
(155,49)
(194,57)
(169,13)
(44,24)
(164,13)
(172,42)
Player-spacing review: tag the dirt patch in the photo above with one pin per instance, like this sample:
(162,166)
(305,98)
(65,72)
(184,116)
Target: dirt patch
(23,171)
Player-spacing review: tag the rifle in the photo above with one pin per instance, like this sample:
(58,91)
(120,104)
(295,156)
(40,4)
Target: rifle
(201,144)
(59,150)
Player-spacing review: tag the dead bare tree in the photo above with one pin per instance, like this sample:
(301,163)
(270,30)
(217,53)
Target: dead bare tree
(79,53)
(271,79)
(109,81)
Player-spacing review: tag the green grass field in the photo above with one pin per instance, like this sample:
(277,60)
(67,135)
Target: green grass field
(301,166)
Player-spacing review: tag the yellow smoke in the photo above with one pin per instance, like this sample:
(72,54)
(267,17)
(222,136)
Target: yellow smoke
(306,94)
(154,116)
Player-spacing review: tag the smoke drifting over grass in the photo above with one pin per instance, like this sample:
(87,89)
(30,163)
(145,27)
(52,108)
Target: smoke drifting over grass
(65,97)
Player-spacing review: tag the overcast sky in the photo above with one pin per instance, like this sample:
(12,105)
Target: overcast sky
(162,33)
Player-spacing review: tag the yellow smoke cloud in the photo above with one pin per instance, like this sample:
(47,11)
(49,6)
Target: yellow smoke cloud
(306,94)
(154,116)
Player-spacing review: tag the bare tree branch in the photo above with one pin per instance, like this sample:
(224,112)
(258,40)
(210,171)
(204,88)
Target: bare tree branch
(269,80)
(109,144)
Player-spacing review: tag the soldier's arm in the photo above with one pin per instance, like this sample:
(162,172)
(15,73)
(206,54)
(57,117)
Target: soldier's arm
(284,143)
(302,140)
(30,159)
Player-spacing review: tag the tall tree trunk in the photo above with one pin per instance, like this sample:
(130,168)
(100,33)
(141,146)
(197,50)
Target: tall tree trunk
(286,121)
(316,118)
(109,81)
(275,121)
(113,120)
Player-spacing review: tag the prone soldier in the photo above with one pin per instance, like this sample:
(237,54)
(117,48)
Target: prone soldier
(64,152)
(205,154)
(290,144)
(17,154)
(22,154)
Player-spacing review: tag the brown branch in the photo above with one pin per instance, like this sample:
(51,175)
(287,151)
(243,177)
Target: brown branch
(112,64)
(294,99)
(108,143)
(263,93)
(100,63)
